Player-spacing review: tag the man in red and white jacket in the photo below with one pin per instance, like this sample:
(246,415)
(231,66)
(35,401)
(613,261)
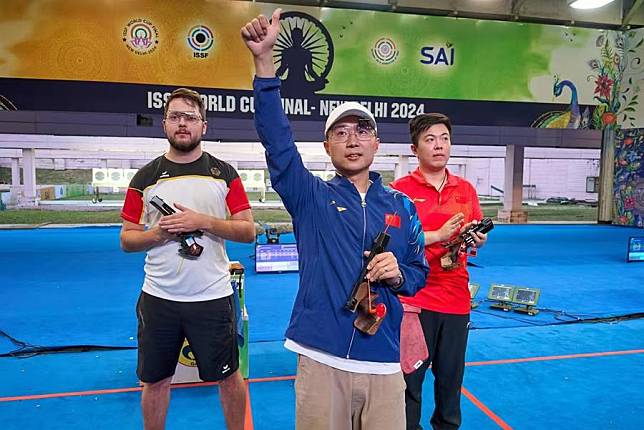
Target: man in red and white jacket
(446,204)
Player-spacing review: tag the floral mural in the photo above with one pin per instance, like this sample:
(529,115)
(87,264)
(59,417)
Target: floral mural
(630,116)
(629,177)
(607,74)
(616,92)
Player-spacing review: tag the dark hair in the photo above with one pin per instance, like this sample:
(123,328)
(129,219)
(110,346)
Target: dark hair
(192,97)
(422,122)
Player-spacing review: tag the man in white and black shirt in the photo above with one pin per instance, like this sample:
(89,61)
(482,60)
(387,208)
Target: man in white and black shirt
(187,297)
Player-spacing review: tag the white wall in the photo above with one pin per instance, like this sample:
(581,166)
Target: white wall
(555,172)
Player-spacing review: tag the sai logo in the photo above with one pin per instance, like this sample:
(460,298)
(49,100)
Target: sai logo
(186,357)
(437,55)
(385,51)
(141,36)
(200,40)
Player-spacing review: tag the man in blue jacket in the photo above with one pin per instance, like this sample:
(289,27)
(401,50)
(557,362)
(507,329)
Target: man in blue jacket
(346,379)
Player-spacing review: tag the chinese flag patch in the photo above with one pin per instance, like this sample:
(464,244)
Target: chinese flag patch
(392,220)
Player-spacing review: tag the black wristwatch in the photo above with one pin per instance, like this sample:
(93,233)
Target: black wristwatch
(399,281)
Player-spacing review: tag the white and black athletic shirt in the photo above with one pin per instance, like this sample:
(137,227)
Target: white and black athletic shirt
(207,185)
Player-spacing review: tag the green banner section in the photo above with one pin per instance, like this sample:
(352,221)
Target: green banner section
(437,57)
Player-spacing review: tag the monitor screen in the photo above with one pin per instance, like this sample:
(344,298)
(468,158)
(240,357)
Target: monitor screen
(635,249)
(502,293)
(276,257)
(526,296)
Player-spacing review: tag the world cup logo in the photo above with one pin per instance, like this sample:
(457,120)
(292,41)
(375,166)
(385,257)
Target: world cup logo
(140,36)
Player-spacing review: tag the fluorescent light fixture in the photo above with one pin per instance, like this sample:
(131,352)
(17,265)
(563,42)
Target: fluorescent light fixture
(528,297)
(501,295)
(588,4)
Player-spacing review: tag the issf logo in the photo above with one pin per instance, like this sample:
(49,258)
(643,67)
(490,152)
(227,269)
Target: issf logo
(438,55)
(200,39)
(384,51)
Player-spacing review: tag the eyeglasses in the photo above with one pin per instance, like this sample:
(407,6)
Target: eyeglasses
(364,133)
(188,117)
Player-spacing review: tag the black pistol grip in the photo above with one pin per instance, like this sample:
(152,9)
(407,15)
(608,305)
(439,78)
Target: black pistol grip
(162,206)
(378,247)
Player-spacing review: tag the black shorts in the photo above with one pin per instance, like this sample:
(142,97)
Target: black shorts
(209,327)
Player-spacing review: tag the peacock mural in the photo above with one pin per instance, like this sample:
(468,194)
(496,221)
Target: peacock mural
(569,118)
(615,94)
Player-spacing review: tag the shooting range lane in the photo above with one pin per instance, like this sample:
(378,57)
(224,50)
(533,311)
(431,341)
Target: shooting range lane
(73,286)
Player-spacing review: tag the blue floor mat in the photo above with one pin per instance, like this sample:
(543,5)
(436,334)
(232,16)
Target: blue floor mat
(588,393)
(573,393)
(74,286)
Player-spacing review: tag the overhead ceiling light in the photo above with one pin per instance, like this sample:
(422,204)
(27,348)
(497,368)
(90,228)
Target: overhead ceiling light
(588,4)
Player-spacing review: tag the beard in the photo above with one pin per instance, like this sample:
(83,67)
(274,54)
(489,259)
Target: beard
(185,146)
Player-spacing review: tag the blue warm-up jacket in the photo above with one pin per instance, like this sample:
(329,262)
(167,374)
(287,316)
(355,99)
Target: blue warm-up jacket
(333,228)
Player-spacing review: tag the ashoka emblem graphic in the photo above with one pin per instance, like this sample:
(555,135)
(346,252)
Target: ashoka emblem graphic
(303,54)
